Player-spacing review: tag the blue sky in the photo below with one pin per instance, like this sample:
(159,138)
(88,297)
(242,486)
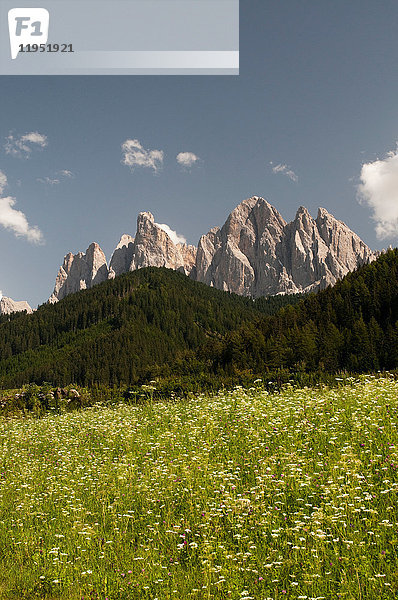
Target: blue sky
(317,92)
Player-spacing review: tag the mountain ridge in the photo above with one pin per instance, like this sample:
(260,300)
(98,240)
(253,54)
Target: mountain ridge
(255,253)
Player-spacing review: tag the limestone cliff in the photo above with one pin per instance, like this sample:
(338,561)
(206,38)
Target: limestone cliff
(256,253)
(153,247)
(8,306)
(79,272)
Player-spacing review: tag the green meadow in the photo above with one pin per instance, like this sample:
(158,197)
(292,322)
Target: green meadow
(242,495)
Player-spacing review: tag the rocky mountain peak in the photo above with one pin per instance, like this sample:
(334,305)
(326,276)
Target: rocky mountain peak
(303,219)
(153,247)
(79,272)
(254,212)
(323,214)
(255,253)
(143,216)
(125,240)
(8,306)
(231,258)
(122,256)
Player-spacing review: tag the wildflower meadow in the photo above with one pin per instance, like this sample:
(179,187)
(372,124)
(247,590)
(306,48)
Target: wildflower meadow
(244,495)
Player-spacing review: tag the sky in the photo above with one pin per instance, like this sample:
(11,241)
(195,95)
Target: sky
(311,120)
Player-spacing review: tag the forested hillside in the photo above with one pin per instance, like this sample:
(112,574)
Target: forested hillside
(351,326)
(116,331)
(157,323)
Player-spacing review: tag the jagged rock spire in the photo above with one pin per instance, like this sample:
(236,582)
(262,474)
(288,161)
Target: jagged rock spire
(79,272)
(255,253)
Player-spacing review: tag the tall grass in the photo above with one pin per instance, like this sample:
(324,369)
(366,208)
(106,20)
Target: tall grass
(244,495)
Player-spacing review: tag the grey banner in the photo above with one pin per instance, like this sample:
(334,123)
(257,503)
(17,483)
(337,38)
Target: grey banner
(132,37)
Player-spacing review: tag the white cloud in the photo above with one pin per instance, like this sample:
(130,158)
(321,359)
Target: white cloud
(67,174)
(64,174)
(22,146)
(187,159)
(15,220)
(135,155)
(379,190)
(173,235)
(3,181)
(49,180)
(285,170)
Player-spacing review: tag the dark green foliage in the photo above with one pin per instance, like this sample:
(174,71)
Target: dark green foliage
(119,331)
(352,326)
(156,324)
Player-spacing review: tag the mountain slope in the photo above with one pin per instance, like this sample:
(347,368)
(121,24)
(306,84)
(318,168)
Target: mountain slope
(115,331)
(156,322)
(351,326)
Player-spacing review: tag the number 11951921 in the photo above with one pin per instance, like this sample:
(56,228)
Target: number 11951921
(46,48)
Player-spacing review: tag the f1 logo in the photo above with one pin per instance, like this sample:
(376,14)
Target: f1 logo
(27,25)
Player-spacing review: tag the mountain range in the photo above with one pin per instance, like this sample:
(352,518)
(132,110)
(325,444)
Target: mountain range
(255,253)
